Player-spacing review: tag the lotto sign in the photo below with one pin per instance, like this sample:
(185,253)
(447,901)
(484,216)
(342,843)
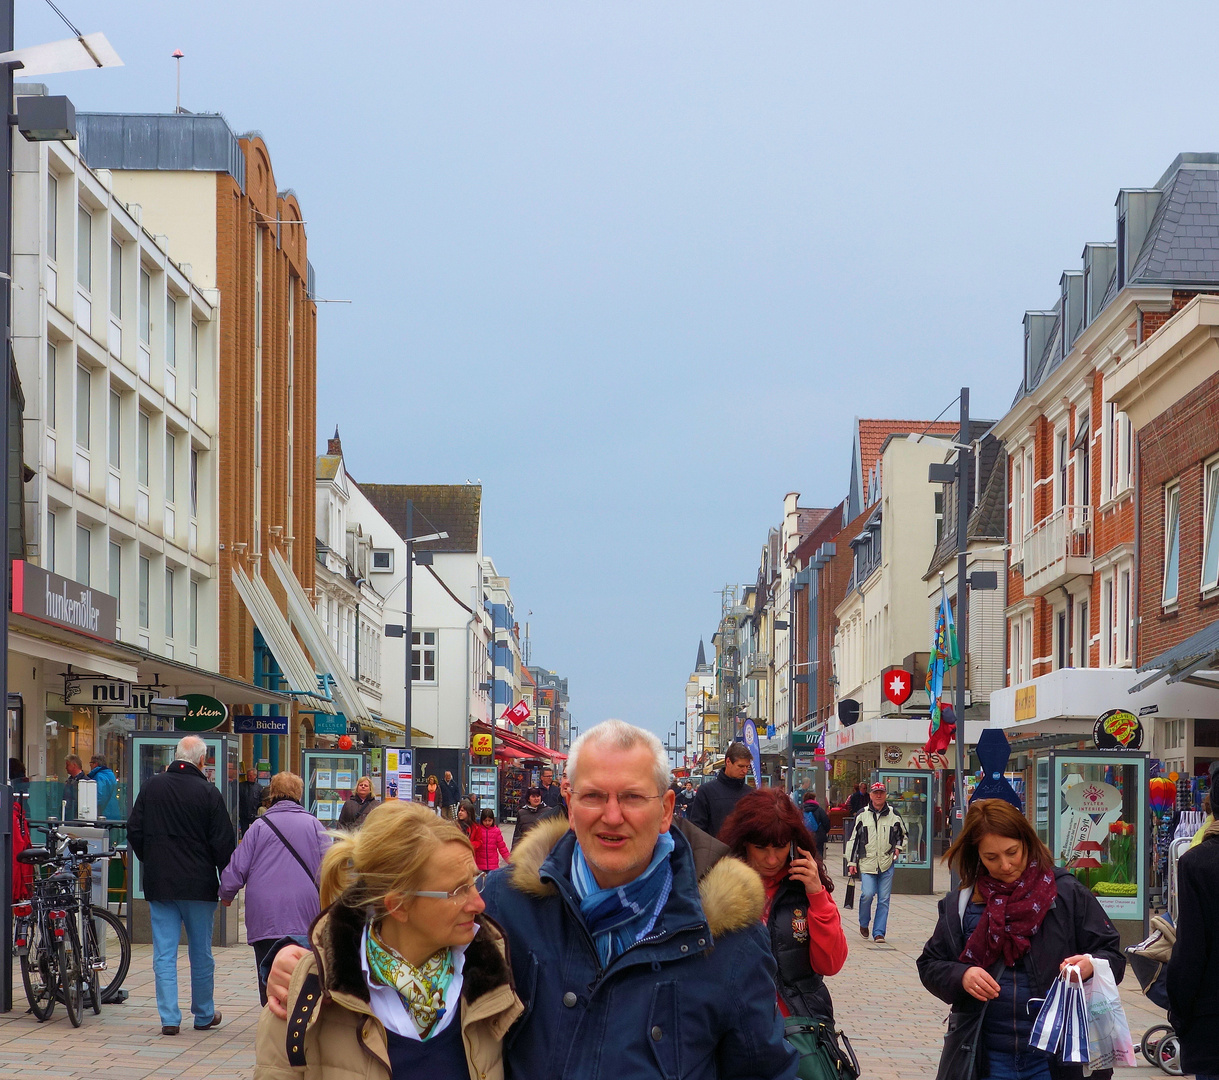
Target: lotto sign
(480,745)
(898,686)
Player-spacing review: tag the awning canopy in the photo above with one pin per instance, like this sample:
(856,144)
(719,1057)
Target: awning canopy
(186,679)
(298,672)
(516,742)
(1186,661)
(317,641)
(507,753)
(43,641)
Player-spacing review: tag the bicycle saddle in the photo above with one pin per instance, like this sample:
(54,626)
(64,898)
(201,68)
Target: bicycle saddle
(34,856)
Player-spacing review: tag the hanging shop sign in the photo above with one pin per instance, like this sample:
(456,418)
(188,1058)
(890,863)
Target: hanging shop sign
(141,701)
(108,693)
(60,601)
(259,725)
(329,724)
(203,713)
(480,745)
(899,685)
(1118,729)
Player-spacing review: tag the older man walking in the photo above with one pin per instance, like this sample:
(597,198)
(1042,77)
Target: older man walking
(630,965)
(879,835)
(183,838)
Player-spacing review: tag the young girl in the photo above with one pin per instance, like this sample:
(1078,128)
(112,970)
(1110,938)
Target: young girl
(489,843)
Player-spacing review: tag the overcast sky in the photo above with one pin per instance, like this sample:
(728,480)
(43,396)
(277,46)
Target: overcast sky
(637,267)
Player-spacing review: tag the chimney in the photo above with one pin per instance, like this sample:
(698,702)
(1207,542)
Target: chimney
(334,448)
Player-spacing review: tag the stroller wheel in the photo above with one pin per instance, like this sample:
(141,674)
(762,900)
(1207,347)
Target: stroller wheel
(1152,1038)
(1168,1054)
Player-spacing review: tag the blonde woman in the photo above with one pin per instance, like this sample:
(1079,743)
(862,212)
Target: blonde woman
(358,807)
(406,977)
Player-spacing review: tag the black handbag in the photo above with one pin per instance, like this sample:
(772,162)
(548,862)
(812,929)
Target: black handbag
(822,1055)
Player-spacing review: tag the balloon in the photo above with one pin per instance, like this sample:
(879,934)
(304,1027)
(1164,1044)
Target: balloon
(345,742)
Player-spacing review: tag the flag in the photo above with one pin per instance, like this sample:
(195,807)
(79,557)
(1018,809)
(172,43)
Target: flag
(945,653)
(518,713)
(749,734)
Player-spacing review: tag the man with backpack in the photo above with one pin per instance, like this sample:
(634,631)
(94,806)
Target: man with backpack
(817,820)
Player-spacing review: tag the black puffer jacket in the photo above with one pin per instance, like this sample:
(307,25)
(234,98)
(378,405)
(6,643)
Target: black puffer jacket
(803,991)
(714,801)
(181,834)
(1075,924)
(1193,970)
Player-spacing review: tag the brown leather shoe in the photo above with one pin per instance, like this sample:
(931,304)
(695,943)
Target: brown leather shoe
(863,930)
(215,1022)
(879,939)
(169,1029)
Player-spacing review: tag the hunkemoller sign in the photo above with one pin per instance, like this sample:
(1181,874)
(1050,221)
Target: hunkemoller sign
(52,599)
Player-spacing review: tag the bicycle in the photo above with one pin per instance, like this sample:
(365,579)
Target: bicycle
(63,941)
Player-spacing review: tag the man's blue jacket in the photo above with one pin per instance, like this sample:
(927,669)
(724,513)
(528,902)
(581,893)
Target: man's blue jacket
(695,999)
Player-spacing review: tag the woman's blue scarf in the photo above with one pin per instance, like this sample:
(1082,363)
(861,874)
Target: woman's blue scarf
(617,918)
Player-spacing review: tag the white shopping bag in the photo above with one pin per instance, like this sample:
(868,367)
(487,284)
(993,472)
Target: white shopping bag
(1061,1027)
(1109,1041)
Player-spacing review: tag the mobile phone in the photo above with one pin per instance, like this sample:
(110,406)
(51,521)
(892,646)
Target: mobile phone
(795,852)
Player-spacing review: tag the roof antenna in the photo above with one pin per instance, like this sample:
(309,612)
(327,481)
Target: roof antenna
(177,55)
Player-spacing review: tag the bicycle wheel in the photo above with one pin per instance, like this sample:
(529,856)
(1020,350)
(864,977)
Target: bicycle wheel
(90,965)
(114,948)
(70,973)
(39,974)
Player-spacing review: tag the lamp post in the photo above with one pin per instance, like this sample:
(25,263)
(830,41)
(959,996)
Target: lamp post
(405,630)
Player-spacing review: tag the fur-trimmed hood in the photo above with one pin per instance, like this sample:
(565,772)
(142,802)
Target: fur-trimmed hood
(731,894)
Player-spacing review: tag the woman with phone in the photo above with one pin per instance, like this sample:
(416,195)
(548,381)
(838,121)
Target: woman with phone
(767,831)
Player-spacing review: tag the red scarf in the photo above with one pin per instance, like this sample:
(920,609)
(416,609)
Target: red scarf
(1013,914)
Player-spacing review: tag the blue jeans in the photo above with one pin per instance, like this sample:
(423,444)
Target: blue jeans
(880,886)
(167,918)
(1027,1066)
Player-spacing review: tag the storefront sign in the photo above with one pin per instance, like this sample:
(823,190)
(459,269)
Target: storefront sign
(329,724)
(203,713)
(260,725)
(141,699)
(480,745)
(893,754)
(59,601)
(1117,729)
(899,685)
(920,759)
(109,693)
(1026,703)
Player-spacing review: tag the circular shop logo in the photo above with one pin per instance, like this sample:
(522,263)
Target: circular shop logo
(893,754)
(1118,729)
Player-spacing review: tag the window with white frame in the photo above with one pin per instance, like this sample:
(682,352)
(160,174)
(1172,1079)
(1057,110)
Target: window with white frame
(423,656)
(1084,626)
(115,556)
(1015,668)
(83,544)
(171,331)
(51,387)
(48,560)
(194,613)
(84,248)
(84,392)
(1030,478)
(1082,447)
(1125,612)
(145,574)
(1029,648)
(194,355)
(1064,462)
(145,319)
(194,482)
(116,279)
(1210,527)
(116,430)
(171,472)
(169,604)
(52,217)
(1108,608)
(1172,542)
(1017,536)
(1062,655)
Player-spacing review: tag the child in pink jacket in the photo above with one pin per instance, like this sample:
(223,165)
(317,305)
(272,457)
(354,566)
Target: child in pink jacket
(488,843)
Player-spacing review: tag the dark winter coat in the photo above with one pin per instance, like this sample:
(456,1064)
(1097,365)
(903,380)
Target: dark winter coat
(1075,923)
(803,991)
(552,795)
(181,833)
(714,801)
(249,799)
(1193,969)
(695,999)
(355,810)
(529,816)
(450,792)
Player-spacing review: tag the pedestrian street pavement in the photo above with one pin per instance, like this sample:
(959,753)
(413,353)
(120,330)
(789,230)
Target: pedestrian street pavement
(895,1026)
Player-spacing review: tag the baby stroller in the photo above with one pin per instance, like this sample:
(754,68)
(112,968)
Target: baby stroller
(1149,962)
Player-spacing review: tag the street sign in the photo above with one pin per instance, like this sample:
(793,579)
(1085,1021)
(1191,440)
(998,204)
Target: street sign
(898,685)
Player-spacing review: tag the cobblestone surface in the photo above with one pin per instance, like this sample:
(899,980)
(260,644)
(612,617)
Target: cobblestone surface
(895,1026)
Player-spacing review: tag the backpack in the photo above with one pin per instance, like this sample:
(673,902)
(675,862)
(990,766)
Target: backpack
(810,820)
(23,873)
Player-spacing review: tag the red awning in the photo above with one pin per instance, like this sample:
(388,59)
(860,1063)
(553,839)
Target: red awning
(507,738)
(507,753)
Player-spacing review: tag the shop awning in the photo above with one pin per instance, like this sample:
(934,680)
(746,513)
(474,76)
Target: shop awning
(317,641)
(1186,661)
(297,670)
(186,679)
(507,753)
(516,742)
(62,647)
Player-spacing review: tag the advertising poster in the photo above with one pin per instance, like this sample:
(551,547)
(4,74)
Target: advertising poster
(399,773)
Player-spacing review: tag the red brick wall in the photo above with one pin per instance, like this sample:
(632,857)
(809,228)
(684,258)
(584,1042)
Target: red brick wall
(242,222)
(1174,446)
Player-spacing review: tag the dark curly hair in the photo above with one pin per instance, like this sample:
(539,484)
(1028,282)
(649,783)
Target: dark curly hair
(766,817)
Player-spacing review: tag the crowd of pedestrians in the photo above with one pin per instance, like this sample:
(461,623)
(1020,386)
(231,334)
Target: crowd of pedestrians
(689,929)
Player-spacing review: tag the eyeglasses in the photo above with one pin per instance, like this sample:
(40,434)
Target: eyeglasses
(459,895)
(599,800)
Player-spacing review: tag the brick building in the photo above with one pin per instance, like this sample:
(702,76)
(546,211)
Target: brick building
(1170,389)
(214,193)
(1073,471)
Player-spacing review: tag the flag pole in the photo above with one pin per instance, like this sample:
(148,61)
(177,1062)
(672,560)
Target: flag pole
(964,458)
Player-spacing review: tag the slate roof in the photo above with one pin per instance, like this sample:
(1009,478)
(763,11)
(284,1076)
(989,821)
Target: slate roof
(1182,245)
(988,519)
(451,508)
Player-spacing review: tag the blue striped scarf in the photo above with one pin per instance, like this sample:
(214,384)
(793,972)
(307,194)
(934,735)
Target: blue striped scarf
(617,918)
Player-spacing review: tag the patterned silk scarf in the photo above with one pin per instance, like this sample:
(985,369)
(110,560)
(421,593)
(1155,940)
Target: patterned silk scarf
(422,989)
(1014,911)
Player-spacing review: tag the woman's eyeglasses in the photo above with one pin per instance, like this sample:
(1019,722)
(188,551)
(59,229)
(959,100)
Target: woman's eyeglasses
(458,896)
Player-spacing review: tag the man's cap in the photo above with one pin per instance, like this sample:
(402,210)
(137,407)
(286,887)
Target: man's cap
(878,786)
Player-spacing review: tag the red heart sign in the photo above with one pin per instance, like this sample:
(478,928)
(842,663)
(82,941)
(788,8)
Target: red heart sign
(898,685)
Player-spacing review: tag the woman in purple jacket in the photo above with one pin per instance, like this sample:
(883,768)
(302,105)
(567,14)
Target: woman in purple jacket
(277,862)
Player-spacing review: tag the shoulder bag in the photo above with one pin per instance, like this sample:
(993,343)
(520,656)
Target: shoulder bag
(266,818)
(825,1051)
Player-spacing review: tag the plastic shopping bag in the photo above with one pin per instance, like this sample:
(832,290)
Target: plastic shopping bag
(1109,1041)
(1061,1027)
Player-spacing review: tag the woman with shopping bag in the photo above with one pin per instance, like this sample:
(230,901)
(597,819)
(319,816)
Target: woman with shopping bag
(1001,942)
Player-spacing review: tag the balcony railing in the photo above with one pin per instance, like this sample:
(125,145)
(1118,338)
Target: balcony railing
(756,665)
(1057,549)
